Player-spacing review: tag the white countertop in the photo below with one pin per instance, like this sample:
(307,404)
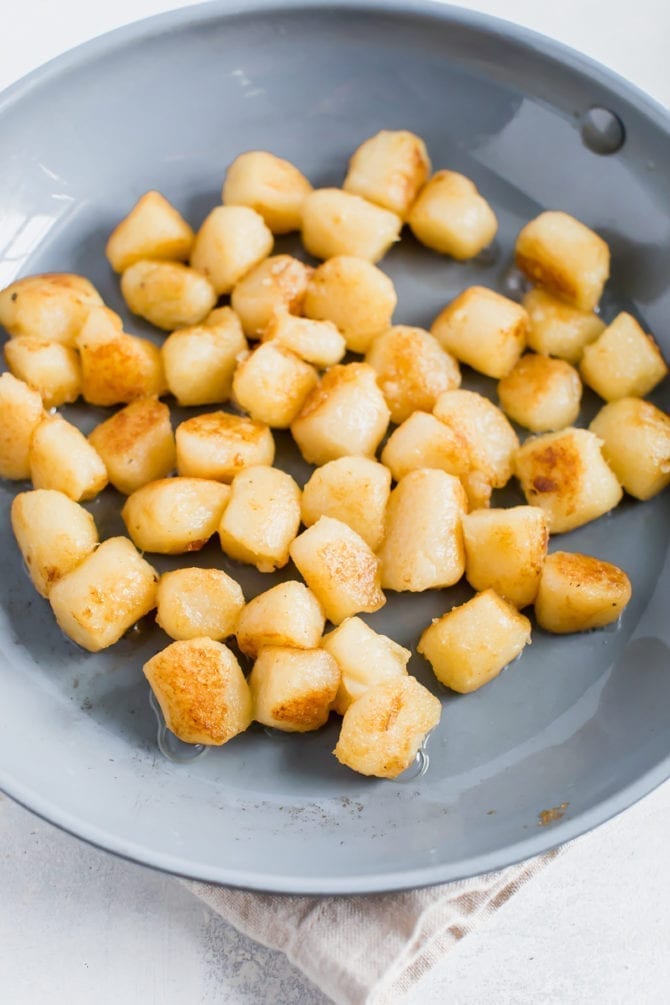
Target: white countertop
(77,925)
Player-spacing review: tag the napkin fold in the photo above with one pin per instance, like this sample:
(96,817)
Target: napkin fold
(369,950)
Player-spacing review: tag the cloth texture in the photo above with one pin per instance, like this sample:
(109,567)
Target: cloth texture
(369,950)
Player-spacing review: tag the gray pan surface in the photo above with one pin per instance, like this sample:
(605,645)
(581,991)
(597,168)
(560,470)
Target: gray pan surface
(581,720)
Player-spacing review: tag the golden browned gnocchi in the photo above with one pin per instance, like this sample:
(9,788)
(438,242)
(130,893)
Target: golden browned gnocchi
(365,658)
(152,229)
(423,546)
(272,384)
(270,185)
(261,518)
(116,367)
(218,445)
(293,689)
(168,294)
(172,516)
(198,603)
(62,458)
(340,569)
(505,550)
(52,306)
(51,368)
(469,645)
(389,169)
(201,690)
(383,729)
(483,329)
(200,361)
(104,595)
(21,411)
(230,242)
(287,614)
(422,441)
(541,393)
(274,285)
(339,223)
(579,592)
(566,475)
(559,329)
(317,342)
(623,361)
(636,444)
(345,415)
(355,295)
(136,444)
(450,216)
(565,257)
(54,534)
(412,369)
(354,490)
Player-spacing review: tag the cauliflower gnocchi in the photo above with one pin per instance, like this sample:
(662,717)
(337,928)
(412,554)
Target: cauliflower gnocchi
(293,689)
(152,229)
(286,615)
(339,223)
(200,361)
(270,185)
(450,216)
(218,445)
(389,169)
(275,285)
(541,393)
(483,329)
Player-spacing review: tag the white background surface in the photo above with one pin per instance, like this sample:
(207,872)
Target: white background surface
(77,925)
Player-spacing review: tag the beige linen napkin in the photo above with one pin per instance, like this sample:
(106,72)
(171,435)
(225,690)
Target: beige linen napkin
(369,950)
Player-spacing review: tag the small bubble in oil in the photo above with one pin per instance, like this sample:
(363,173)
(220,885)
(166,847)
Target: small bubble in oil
(170,746)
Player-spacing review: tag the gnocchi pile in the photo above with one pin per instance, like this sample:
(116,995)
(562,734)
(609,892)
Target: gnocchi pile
(406,460)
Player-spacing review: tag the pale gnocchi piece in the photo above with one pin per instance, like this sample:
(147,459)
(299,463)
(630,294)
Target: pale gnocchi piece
(54,535)
(105,595)
(355,295)
(412,369)
(354,490)
(136,444)
(579,592)
(469,645)
(270,185)
(317,342)
(61,458)
(230,242)
(277,284)
(505,550)
(558,329)
(339,223)
(423,547)
(483,329)
(200,361)
(293,689)
(21,411)
(382,730)
(636,444)
(262,518)
(541,393)
(452,217)
(51,368)
(201,690)
(272,384)
(52,306)
(339,568)
(172,516)
(168,294)
(566,475)
(152,229)
(624,361)
(218,445)
(365,658)
(565,257)
(117,368)
(285,615)
(345,415)
(491,441)
(389,169)
(198,603)
(422,441)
